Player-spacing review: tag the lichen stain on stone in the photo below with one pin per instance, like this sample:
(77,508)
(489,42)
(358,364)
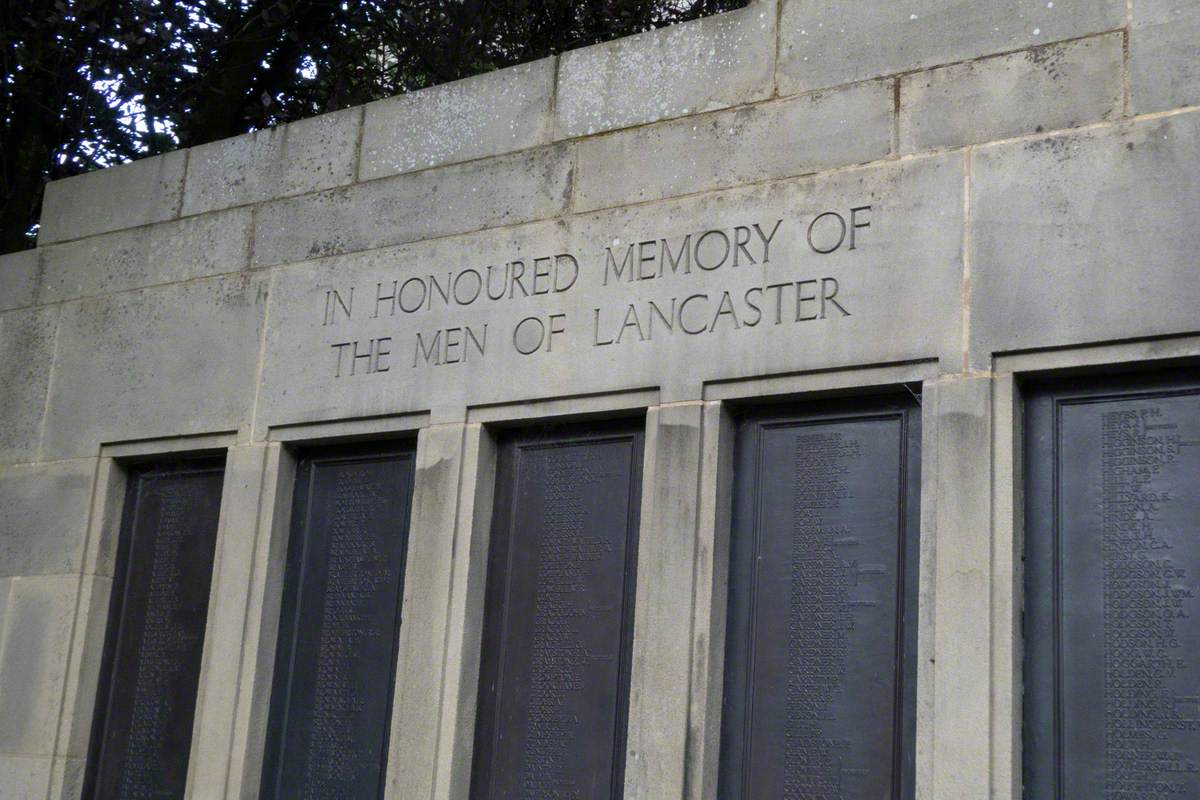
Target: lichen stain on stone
(1062,148)
(323,247)
(568,186)
(234,292)
(1050,59)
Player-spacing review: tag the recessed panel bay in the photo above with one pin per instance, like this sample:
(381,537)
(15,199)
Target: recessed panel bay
(332,701)
(1112,702)
(557,638)
(142,732)
(819,692)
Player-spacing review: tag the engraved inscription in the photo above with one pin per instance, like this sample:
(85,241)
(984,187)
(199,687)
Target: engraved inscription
(824,610)
(567,560)
(522,304)
(1151,687)
(147,693)
(1112,685)
(554,671)
(331,706)
(357,568)
(817,648)
(166,643)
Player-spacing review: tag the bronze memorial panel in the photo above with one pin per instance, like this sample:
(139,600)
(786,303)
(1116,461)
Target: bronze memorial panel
(142,730)
(554,678)
(1112,574)
(821,635)
(339,625)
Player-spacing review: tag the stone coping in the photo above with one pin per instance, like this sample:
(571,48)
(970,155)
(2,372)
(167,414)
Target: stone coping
(765,52)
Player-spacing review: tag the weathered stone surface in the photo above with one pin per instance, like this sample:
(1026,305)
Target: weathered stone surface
(18,279)
(960,412)
(66,780)
(826,42)
(490,114)
(709,609)
(502,191)
(658,699)
(429,569)
(791,137)
(33,661)
(43,516)
(24,776)
(1086,237)
(172,251)
(173,360)
(26,352)
(104,525)
(224,639)
(1047,88)
(145,191)
(1007,595)
(460,680)
(302,156)
(83,671)
(711,63)
(1164,49)
(905,266)
(4,591)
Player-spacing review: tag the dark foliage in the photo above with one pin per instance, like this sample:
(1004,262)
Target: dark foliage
(93,82)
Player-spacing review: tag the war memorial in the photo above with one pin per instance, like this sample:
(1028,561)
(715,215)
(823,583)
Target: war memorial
(803,402)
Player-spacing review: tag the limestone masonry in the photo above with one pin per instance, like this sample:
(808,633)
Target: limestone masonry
(803,199)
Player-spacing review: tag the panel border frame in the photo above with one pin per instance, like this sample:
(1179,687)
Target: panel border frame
(1011,372)
(751,418)
(81,683)
(306,459)
(509,442)
(1044,396)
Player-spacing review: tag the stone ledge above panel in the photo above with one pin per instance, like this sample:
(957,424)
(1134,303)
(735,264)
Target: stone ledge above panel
(1085,237)
(720,61)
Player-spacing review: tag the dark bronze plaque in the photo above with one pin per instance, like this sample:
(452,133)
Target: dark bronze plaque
(142,732)
(1112,615)
(339,625)
(821,640)
(554,682)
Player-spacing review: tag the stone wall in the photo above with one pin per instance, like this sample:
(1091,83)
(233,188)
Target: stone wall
(793,199)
